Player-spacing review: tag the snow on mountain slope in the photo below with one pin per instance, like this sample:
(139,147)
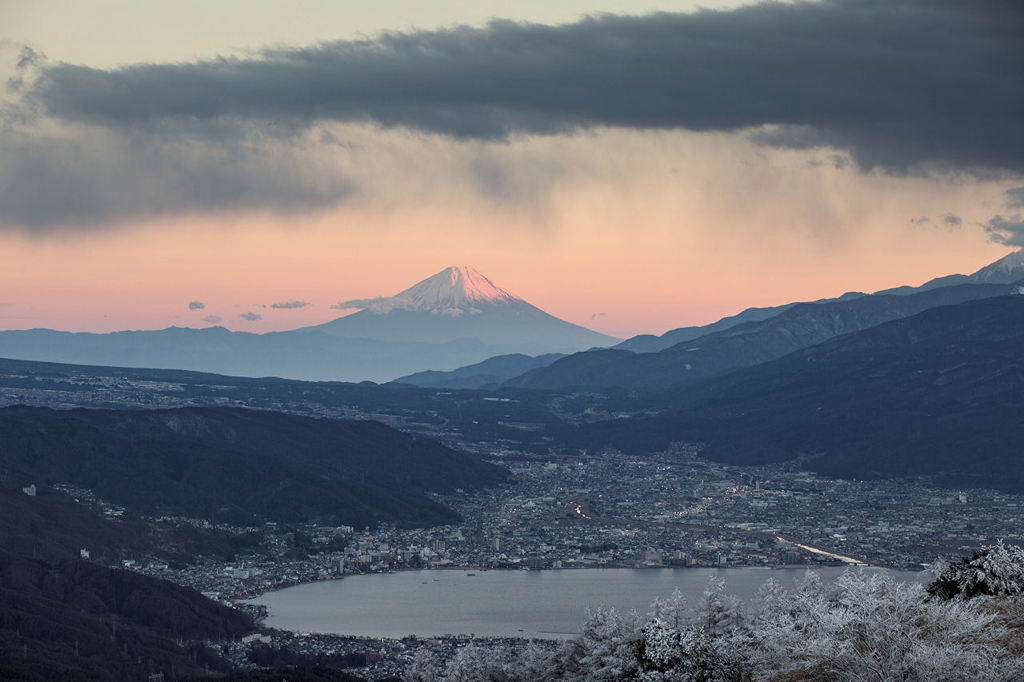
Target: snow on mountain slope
(1009,268)
(455,291)
(461,303)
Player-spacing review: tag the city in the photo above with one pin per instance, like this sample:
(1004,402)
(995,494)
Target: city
(602,510)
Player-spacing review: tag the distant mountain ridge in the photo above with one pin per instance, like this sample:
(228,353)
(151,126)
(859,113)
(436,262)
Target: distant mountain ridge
(649,343)
(1008,269)
(312,356)
(938,393)
(744,345)
(454,318)
(487,374)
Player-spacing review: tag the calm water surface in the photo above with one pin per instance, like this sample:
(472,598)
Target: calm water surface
(498,603)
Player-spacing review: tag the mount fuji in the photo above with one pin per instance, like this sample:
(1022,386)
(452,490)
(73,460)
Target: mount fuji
(460,303)
(457,317)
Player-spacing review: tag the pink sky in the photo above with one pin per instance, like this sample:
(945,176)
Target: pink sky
(625,247)
(624,230)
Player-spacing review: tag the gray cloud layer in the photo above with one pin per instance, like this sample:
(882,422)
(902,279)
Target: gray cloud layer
(1008,230)
(196,305)
(108,176)
(900,84)
(251,317)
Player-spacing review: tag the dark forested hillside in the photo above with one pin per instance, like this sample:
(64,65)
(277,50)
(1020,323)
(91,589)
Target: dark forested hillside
(53,526)
(72,619)
(239,465)
(938,393)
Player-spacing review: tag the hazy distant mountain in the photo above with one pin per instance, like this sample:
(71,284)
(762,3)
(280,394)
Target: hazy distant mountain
(502,368)
(1008,269)
(486,374)
(748,344)
(452,319)
(311,356)
(940,392)
(460,303)
(649,343)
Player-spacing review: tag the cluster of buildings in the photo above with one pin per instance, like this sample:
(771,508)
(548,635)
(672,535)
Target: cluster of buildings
(566,510)
(609,510)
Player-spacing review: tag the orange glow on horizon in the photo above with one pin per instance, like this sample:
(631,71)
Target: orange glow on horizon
(618,285)
(671,230)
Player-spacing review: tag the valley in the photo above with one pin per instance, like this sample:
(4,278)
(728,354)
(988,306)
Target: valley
(591,341)
(235,487)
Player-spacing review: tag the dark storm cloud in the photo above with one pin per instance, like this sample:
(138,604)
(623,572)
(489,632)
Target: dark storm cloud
(105,176)
(251,317)
(196,305)
(290,304)
(904,85)
(1007,230)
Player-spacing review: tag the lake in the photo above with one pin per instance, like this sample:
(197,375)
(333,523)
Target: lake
(547,604)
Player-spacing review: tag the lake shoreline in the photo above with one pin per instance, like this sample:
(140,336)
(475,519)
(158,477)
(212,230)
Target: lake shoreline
(448,601)
(255,593)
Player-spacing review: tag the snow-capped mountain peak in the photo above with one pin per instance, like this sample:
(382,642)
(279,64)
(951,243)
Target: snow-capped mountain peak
(459,286)
(455,291)
(1007,269)
(460,305)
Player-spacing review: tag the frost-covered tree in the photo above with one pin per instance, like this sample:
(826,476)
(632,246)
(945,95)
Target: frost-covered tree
(720,611)
(607,649)
(863,626)
(537,663)
(474,663)
(870,626)
(671,610)
(995,570)
(689,654)
(422,668)
(770,600)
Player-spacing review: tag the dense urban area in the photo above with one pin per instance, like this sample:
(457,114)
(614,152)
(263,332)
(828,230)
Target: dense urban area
(563,511)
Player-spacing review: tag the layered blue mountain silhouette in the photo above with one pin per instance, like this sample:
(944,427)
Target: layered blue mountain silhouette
(454,318)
